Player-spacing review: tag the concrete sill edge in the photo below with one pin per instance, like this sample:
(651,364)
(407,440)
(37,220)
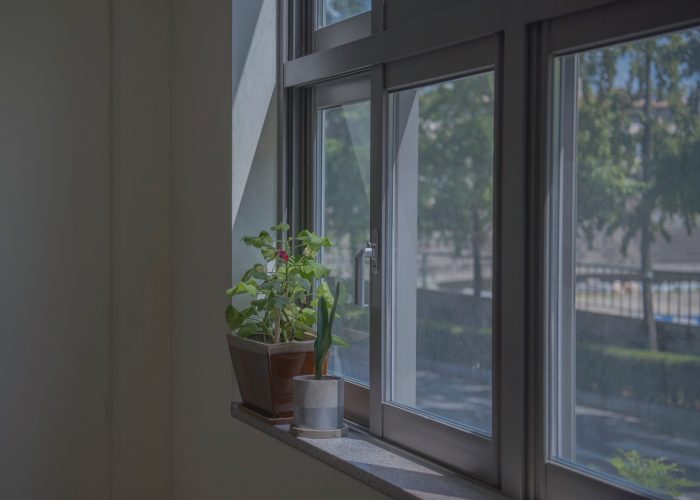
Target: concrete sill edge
(379,465)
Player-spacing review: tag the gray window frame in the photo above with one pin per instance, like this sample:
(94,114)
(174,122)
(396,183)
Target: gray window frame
(605,25)
(468,451)
(530,34)
(342,91)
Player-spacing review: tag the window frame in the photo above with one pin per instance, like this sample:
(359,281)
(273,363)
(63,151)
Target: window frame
(467,450)
(531,33)
(596,28)
(347,90)
(374,54)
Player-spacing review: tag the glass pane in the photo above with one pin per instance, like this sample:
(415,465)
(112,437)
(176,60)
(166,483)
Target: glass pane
(443,215)
(625,263)
(332,11)
(343,215)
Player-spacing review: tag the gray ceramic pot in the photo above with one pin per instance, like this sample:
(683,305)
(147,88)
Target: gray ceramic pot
(318,403)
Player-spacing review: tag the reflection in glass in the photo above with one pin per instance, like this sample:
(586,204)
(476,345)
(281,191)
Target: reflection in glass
(343,166)
(333,11)
(443,175)
(625,266)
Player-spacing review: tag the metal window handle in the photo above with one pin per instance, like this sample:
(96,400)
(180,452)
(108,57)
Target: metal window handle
(360,257)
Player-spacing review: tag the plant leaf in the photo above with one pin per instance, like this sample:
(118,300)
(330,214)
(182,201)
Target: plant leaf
(250,287)
(322,342)
(248,330)
(340,341)
(270,253)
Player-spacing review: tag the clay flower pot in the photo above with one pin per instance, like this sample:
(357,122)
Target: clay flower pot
(264,372)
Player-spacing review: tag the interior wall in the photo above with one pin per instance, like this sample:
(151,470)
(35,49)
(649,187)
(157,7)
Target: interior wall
(140,341)
(115,250)
(215,456)
(84,249)
(54,249)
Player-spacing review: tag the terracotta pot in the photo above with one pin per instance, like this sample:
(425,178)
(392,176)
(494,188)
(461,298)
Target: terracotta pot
(265,372)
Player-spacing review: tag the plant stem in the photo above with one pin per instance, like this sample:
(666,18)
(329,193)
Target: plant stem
(277,325)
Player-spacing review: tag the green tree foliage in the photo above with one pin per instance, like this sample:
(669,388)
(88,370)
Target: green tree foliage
(346,174)
(337,10)
(455,181)
(654,473)
(638,144)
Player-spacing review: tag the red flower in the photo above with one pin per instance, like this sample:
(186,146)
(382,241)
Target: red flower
(283,255)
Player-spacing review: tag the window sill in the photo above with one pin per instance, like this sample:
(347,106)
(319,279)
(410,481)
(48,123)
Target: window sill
(377,464)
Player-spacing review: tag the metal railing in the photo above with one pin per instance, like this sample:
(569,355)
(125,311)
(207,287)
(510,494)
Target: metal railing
(601,288)
(617,290)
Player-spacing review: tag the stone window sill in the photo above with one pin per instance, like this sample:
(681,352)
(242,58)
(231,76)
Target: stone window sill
(379,465)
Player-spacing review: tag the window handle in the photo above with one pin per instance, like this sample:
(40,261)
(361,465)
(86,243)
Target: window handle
(360,257)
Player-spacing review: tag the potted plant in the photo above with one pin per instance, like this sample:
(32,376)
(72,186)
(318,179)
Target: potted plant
(319,398)
(272,335)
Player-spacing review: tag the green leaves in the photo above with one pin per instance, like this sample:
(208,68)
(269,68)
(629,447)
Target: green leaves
(270,253)
(314,270)
(257,271)
(323,337)
(236,318)
(262,240)
(250,287)
(324,330)
(312,242)
(339,341)
(280,292)
(654,473)
(307,316)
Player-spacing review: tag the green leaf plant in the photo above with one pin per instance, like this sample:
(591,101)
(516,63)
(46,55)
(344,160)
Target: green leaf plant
(324,330)
(284,290)
(654,473)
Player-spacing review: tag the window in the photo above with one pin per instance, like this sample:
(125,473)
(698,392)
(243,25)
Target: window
(515,197)
(443,170)
(343,173)
(625,266)
(333,11)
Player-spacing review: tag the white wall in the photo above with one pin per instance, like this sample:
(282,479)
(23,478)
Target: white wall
(54,249)
(115,250)
(140,346)
(216,457)
(84,250)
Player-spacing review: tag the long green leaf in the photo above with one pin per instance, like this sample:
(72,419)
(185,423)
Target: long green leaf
(340,341)
(321,334)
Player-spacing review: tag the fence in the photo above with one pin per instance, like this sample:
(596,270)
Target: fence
(600,288)
(617,290)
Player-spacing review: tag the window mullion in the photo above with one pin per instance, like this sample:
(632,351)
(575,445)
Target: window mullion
(380,290)
(510,245)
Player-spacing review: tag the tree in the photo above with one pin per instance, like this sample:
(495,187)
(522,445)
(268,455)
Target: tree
(638,140)
(346,141)
(337,10)
(456,166)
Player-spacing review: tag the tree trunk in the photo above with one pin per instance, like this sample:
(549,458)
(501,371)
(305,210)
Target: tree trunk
(645,215)
(647,299)
(476,253)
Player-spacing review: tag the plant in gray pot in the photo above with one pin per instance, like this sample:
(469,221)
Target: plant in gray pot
(319,399)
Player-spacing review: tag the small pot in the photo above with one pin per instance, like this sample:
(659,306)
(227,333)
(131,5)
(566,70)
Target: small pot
(264,372)
(319,403)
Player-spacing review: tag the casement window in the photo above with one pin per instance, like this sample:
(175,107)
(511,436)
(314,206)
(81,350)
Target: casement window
(620,390)
(482,167)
